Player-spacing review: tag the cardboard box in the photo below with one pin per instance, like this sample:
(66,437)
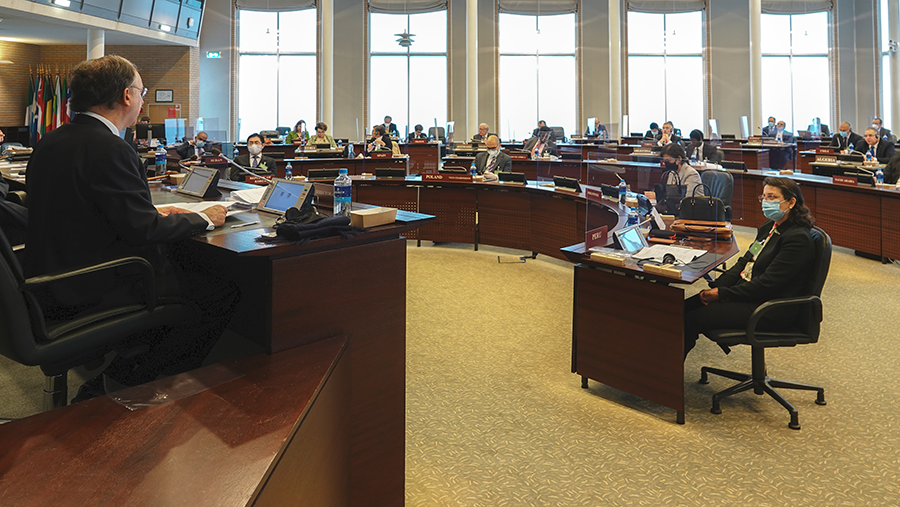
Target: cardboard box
(372,217)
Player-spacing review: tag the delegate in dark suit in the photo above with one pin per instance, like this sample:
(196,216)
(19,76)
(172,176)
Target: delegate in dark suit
(266,165)
(781,270)
(843,143)
(187,149)
(884,151)
(892,171)
(709,153)
(89,202)
(503,164)
(549,145)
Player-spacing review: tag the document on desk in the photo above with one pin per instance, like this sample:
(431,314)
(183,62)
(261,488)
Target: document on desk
(656,253)
(250,195)
(199,206)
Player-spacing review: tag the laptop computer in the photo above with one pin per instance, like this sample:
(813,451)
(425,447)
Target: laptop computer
(283,194)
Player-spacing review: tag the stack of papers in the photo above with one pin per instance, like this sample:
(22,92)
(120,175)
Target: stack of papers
(250,196)
(656,253)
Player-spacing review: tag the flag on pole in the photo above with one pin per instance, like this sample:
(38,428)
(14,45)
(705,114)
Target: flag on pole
(58,103)
(67,95)
(29,111)
(39,109)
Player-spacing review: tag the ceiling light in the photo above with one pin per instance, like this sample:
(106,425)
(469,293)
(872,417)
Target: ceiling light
(165,28)
(190,22)
(5,62)
(62,3)
(406,38)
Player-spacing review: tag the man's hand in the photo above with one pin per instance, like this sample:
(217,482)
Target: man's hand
(216,214)
(171,210)
(709,296)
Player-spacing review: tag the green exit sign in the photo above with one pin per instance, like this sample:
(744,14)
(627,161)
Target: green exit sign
(213,54)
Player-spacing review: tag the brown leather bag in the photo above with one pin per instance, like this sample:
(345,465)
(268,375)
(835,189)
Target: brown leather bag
(704,229)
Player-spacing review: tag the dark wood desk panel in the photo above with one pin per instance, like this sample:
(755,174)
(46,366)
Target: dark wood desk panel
(755,158)
(838,213)
(400,196)
(423,158)
(247,441)
(554,223)
(454,209)
(547,169)
(890,228)
(504,218)
(614,342)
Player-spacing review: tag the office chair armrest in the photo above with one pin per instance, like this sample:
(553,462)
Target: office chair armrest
(815,316)
(146,274)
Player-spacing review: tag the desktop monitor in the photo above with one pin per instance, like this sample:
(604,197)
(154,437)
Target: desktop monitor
(150,130)
(589,131)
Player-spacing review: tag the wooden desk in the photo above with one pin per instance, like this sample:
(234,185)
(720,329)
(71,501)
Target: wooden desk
(423,157)
(532,218)
(293,294)
(267,430)
(627,332)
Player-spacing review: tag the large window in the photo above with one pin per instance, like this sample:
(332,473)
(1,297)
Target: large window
(885,65)
(277,70)
(665,70)
(794,49)
(409,84)
(537,73)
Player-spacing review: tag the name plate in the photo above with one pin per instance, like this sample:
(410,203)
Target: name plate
(643,150)
(382,154)
(596,237)
(828,151)
(826,159)
(648,144)
(593,195)
(259,180)
(754,140)
(844,180)
(214,160)
(519,156)
(466,178)
(420,141)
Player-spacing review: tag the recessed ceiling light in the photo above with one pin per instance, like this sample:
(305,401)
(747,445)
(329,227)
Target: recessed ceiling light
(62,3)
(165,28)
(190,22)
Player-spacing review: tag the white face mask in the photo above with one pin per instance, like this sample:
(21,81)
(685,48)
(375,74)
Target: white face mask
(876,127)
(493,151)
(255,149)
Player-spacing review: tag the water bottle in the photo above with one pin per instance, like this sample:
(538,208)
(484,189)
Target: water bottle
(633,218)
(473,170)
(350,152)
(340,144)
(879,178)
(160,160)
(289,172)
(623,191)
(236,152)
(342,193)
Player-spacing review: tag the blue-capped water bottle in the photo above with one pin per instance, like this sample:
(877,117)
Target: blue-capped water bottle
(342,192)
(879,177)
(289,172)
(623,191)
(160,166)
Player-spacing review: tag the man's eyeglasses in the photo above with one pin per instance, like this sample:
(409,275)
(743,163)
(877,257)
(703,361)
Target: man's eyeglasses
(143,90)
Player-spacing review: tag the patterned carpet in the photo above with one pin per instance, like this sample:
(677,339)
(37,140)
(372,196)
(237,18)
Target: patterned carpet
(494,416)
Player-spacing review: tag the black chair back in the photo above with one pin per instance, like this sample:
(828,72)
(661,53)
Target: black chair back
(16,341)
(559,134)
(720,183)
(822,262)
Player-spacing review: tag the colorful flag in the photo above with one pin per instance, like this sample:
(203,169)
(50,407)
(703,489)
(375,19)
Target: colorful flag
(58,103)
(39,109)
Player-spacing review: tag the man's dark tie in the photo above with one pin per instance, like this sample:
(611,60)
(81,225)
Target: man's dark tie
(255,161)
(490,167)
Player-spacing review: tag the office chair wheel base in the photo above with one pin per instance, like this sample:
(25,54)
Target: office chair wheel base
(795,422)
(820,399)
(584,382)
(715,408)
(704,377)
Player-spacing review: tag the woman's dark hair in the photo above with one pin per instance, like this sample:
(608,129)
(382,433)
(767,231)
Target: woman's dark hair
(379,130)
(100,81)
(298,124)
(799,214)
(321,125)
(673,150)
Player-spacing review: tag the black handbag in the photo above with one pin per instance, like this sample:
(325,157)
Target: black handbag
(709,209)
(668,196)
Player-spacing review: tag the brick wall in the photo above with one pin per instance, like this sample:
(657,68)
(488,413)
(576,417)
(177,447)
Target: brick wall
(175,68)
(14,80)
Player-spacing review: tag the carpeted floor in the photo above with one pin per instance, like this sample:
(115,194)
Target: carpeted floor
(495,417)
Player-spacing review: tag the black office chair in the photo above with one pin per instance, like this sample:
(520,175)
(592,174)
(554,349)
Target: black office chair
(29,338)
(721,185)
(436,133)
(804,330)
(559,134)
(283,131)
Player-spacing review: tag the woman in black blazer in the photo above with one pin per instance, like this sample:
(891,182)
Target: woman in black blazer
(777,265)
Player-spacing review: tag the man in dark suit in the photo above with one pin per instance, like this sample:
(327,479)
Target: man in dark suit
(892,171)
(883,133)
(253,160)
(701,151)
(845,139)
(651,134)
(89,202)
(417,133)
(769,130)
(492,161)
(542,143)
(483,133)
(667,136)
(781,134)
(196,147)
(390,127)
(880,149)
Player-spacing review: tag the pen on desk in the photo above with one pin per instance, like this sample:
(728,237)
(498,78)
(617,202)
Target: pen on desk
(245,224)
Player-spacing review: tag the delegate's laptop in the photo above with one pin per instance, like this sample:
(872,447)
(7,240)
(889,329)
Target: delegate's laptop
(197,181)
(282,194)
(630,239)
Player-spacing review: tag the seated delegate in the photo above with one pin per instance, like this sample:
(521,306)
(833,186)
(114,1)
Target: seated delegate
(299,134)
(651,134)
(253,160)
(667,136)
(417,133)
(321,137)
(674,159)
(702,152)
(777,265)
(483,133)
(881,150)
(845,139)
(542,143)
(381,141)
(492,161)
